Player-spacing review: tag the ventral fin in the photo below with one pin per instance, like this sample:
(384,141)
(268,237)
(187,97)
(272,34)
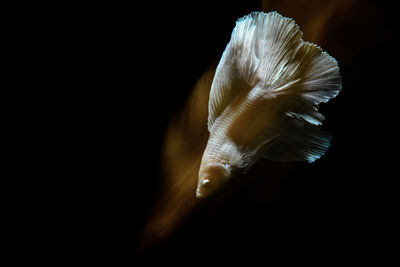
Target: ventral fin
(267,53)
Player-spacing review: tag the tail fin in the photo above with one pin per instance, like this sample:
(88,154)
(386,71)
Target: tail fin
(267,51)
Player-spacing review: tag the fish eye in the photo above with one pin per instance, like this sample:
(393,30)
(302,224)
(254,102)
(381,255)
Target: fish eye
(206,182)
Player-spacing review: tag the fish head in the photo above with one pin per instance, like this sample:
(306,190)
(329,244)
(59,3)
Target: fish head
(212,178)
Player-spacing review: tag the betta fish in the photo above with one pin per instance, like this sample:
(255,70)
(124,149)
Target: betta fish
(264,100)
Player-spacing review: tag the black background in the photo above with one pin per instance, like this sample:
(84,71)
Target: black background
(87,100)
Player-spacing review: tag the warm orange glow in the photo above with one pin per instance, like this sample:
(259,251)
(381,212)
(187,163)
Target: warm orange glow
(187,133)
(185,140)
(313,16)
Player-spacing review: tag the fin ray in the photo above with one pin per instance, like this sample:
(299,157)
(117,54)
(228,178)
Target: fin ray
(266,51)
(301,141)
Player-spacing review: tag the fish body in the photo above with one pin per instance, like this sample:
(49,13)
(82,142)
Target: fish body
(264,100)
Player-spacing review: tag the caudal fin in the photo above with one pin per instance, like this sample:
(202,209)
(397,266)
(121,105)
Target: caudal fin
(267,52)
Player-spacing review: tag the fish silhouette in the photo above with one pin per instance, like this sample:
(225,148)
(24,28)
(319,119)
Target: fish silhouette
(264,100)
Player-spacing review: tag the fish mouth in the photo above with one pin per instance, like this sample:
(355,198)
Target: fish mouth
(204,188)
(199,193)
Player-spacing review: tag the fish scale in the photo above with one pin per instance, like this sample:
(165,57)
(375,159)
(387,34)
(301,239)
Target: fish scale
(264,100)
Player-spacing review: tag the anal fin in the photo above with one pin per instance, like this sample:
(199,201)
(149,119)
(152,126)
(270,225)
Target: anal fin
(301,141)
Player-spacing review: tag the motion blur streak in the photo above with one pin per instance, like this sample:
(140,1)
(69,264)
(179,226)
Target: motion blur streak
(187,133)
(313,16)
(185,140)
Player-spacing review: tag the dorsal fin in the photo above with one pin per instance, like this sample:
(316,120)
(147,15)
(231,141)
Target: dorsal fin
(260,45)
(266,53)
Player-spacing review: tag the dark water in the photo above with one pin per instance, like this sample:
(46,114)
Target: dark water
(90,94)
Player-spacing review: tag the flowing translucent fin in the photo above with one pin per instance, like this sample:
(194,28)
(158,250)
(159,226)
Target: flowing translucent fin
(267,54)
(259,47)
(301,141)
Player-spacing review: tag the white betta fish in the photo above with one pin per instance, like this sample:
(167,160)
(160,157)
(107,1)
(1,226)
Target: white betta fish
(264,99)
